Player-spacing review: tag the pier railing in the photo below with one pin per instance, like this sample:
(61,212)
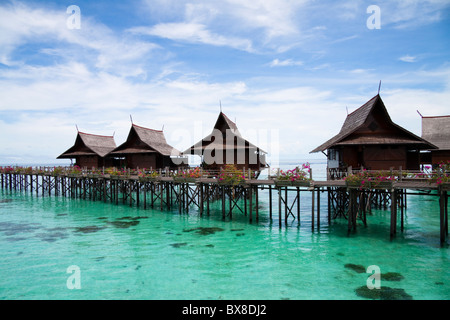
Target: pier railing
(426,174)
(122,172)
(439,175)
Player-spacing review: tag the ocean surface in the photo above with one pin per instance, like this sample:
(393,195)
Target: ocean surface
(62,248)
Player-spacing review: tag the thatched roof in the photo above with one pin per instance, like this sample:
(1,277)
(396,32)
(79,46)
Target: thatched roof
(87,144)
(145,140)
(363,117)
(230,138)
(437,131)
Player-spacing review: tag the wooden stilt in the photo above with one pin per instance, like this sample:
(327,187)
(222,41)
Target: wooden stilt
(312,210)
(201,198)
(256,203)
(329,204)
(207,199)
(402,209)
(223,202)
(230,190)
(351,208)
(279,205)
(393,228)
(270,202)
(298,205)
(318,208)
(285,205)
(250,200)
(443,215)
(145,186)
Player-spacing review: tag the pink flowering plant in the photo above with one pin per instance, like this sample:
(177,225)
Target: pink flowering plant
(366,179)
(296,174)
(147,173)
(113,171)
(7,169)
(75,170)
(194,173)
(441,174)
(231,175)
(58,171)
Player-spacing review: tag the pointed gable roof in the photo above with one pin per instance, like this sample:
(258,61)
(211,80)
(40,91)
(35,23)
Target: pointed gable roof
(364,117)
(223,123)
(90,144)
(437,131)
(226,127)
(149,140)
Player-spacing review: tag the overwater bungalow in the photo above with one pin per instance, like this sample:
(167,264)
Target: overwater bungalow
(225,145)
(370,139)
(437,130)
(90,150)
(146,148)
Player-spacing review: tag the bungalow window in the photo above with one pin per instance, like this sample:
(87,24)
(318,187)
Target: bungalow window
(332,154)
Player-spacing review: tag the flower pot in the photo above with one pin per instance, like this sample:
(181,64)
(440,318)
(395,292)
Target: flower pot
(302,183)
(74,175)
(295,183)
(147,179)
(353,184)
(385,185)
(184,180)
(230,183)
(283,183)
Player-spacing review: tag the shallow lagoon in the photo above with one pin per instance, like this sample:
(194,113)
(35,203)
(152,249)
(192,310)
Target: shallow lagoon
(132,253)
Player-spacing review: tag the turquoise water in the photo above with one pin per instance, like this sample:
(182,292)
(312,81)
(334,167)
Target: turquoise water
(132,253)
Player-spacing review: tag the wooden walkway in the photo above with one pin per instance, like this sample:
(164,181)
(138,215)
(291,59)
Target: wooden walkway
(166,193)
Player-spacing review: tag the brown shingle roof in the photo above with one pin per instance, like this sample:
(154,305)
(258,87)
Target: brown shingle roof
(90,144)
(437,131)
(227,127)
(357,119)
(231,125)
(153,139)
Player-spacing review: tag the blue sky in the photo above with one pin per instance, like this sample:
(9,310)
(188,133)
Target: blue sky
(286,71)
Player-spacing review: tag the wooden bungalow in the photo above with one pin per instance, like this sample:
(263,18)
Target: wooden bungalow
(90,150)
(146,148)
(369,139)
(437,131)
(225,145)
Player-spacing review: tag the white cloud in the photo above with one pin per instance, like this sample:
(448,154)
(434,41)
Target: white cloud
(411,13)
(94,42)
(285,63)
(193,33)
(408,58)
(270,24)
(277,18)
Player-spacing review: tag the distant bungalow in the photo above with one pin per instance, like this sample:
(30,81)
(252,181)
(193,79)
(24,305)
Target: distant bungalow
(145,148)
(369,139)
(437,131)
(90,150)
(225,145)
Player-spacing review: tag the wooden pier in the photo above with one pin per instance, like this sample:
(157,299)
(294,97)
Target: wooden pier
(169,193)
